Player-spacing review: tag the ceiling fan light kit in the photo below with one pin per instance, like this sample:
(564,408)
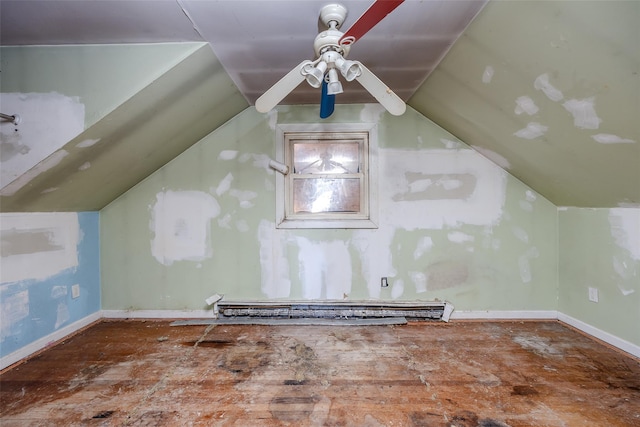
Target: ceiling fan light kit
(331,47)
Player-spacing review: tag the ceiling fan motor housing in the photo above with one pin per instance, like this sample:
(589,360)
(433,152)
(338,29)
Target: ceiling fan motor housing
(333,16)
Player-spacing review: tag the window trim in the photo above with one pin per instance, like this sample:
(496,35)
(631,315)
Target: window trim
(324,220)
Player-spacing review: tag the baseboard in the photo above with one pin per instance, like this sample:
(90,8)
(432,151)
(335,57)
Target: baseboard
(504,314)
(62,333)
(601,335)
(157,314)
(48,340)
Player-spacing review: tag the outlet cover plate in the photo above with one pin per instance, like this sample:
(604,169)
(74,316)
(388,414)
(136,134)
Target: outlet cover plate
(593,294)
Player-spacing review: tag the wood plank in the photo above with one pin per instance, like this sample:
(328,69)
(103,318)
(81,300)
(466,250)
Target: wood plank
(421,373)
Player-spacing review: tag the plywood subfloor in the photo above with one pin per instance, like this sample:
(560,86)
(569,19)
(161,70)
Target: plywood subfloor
(463,374)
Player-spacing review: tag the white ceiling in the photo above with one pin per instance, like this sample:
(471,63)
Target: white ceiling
(257,42)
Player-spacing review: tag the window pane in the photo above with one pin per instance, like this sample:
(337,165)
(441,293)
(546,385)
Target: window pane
(320,157)
(311,195)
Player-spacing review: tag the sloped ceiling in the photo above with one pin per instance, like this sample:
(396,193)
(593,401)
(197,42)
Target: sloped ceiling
(548,90)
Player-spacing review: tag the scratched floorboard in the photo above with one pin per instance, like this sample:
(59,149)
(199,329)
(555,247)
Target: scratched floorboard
(464,374)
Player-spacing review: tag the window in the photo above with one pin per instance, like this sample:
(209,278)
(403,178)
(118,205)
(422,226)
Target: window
(330,179)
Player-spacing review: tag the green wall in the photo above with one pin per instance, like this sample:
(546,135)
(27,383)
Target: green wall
(452,225)
(600,248)
(101,76)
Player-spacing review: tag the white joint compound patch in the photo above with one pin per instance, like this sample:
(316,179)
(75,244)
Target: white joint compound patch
(480,202)
(524,264)
(525,104)
(424,244)
(224,185)
(625,229)
(584,113)
(493,156)
(274,265)
(48,163)
(87,143)
(38,245)
(397,289)
(542,83)
(532,131)
(460,237)
(48,122)
(244,197)
(452,145)
(325,269)
(228,155)
(84,166)
(13,308)
(181,223)
(419,279)
(605,138)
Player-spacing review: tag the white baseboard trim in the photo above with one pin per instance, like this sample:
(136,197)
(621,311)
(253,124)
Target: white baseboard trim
(600,334)
(60,334)
(48,340)
(504,314)
(157,314)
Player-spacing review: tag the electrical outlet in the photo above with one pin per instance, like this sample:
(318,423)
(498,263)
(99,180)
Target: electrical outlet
(593,294)
(384,282)
(75,291)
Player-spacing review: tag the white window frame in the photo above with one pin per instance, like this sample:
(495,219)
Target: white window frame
(368,219)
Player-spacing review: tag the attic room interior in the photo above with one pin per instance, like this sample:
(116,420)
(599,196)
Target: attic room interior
(468,256)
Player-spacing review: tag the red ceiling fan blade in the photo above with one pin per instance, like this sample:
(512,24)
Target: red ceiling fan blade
(376,13)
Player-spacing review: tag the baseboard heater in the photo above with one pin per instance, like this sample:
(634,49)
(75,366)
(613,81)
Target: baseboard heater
(414,311)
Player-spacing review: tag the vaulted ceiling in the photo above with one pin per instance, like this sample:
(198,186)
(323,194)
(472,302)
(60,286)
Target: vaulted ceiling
(548,90)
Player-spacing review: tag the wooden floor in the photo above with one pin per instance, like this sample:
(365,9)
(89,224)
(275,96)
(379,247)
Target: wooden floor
(464,374)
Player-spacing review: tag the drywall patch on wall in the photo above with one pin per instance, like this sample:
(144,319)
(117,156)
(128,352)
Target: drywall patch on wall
(425,244)
(542,83)
(224,185)
(478,200)
(524,104)
(625,229)
(375,263)
(493,156)
(181,223)
(584,113)
(325,269)
(43,256)
(532,131)
(397,289)
(84,166)
(244,197)
(371,113)
(228,154)
(37,245)
(459,237)
(47,122)
(25,178)
(447,274)
(606,138)
(524,263)
(274,265)
(452,145)
(14,308)
(419,280)
(87,143)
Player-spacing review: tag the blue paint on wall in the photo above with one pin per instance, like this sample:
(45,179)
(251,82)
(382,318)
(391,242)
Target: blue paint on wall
(50,302)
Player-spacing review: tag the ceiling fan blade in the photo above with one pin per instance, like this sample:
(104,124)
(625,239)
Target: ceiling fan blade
(385,96)
(327,102)
(282,88)
(376,13)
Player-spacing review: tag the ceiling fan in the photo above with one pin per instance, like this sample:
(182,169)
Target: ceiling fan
(332,47)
